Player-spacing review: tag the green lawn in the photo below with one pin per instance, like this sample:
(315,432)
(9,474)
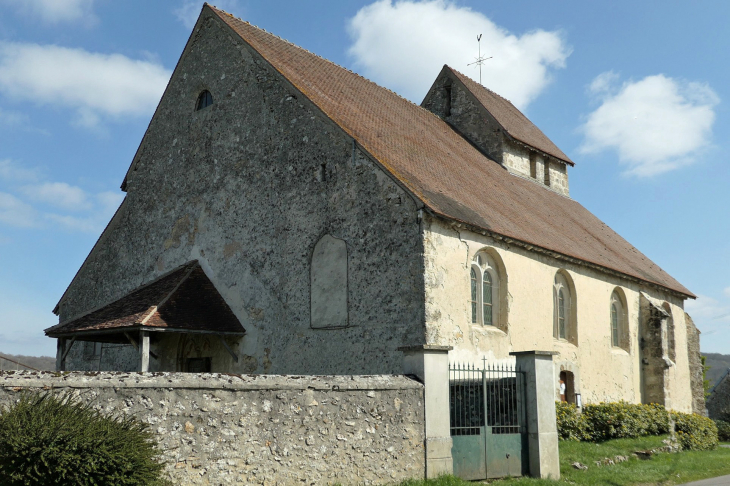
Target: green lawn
(663,469)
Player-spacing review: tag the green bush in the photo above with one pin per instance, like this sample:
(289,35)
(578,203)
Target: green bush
(723,430)
(605,421)
(695,432)
(572,424)
(51,440)
(622,420)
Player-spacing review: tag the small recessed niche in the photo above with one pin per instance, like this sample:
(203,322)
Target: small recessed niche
(205,99)
(447,104)
(322,173)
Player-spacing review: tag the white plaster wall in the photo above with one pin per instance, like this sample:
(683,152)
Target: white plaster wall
(602,373)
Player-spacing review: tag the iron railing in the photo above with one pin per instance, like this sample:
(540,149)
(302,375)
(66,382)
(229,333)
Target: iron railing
(492,396)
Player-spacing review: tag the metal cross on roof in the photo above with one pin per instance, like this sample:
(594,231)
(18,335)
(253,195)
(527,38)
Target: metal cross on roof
(479,60)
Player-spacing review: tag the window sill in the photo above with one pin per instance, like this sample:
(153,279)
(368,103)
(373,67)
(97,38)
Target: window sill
(620,351)
(488,329)
(564,341)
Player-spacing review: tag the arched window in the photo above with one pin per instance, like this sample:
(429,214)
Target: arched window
(485,291)
(205,99)
(618,320)
(564,315)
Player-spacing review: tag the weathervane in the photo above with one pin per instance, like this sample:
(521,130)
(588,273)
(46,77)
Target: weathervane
(479,61)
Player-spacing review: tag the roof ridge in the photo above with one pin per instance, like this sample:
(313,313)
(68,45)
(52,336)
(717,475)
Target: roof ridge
(323,58)
(480,84)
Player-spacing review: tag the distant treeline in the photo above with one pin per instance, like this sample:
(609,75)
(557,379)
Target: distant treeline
(718,363)
(44,363)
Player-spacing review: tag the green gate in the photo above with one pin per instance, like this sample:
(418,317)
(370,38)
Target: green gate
(487,421)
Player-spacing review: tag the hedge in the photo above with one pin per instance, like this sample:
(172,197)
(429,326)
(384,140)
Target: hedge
(605,421)
(48,439)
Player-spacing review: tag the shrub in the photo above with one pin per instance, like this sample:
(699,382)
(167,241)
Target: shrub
(695,432)
(625,420)
(572,424)
(723,430)
(47,439)
(606,421)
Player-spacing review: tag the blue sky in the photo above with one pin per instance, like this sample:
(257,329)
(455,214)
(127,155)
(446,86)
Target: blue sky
(636,93)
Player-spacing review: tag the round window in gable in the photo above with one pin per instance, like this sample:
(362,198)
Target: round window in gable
(205,99)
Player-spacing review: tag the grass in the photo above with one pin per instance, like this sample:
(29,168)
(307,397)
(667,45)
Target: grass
(660,469)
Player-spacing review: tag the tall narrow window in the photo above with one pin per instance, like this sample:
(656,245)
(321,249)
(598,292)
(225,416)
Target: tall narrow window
(561,315)
(487,298)
(205,99)
(485,295)
(473,296)
(533,165)
(546,179)
(564,315)
(614,325)
(619,320)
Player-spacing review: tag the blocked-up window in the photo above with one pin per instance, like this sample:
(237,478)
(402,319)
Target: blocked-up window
(92,350)
(198,365)
(328,284)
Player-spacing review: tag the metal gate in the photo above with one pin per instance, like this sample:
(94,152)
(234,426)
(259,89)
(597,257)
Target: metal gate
(487,421)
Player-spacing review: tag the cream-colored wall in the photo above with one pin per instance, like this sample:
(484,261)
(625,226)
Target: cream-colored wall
(516,159)
(602,373)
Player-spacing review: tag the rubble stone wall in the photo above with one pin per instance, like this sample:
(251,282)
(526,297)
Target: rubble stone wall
(260,429)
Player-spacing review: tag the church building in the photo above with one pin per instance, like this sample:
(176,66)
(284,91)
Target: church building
(284,215)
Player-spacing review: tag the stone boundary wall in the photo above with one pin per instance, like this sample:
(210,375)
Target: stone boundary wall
(260,429)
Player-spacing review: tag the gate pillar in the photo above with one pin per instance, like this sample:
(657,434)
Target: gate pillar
(542,429)
(430,364)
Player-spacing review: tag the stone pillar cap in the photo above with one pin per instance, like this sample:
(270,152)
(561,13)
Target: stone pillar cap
(425,347)
(533,353)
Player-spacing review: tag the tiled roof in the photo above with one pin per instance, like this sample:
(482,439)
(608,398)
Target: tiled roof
(442,169)
(512,120)
(184,299)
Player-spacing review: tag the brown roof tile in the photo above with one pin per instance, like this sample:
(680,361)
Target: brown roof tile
(443,169)
(517,125)
(184,299)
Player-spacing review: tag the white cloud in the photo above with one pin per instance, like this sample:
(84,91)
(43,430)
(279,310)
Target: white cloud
(58,194)
(712,317)
(189,10)
(106,203)
(403,45)
(56,11)
(15,212)
(93,85)
(10,171)
(656,124)
(11,118)
(29,205)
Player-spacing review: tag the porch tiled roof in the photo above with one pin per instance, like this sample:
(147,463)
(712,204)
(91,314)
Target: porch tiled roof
(184,299)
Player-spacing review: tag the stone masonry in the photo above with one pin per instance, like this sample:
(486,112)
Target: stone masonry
(272,430)
(247,187)
(695,366)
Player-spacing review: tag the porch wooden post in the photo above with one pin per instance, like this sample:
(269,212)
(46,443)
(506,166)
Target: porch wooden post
(60,354)
(144,351)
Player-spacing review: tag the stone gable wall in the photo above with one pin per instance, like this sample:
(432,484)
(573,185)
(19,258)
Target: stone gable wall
(239,187)
(274,430)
